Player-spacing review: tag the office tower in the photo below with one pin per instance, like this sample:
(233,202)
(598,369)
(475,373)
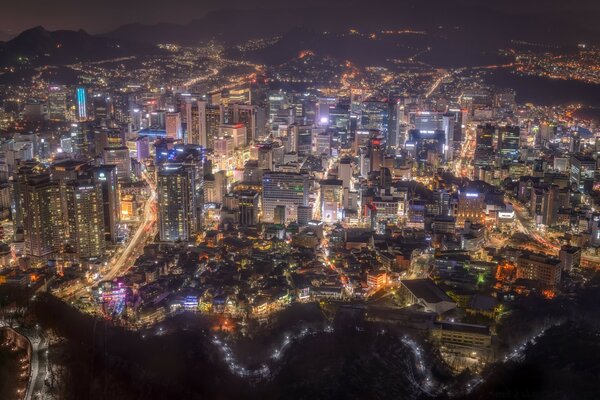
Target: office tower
(374,116)
(248,206)
(57,103)
(283,119)
(575,143)
(142,148)
(375,152)
(196,123)
(484,145)
(300,139)
(470,207)
(345,171)
(103,138)
(176,212)
(289,190)
(544,204)
(79,139)
(323,106)
(203,122)
(304,215)
(583,169)
(322,145)
(158,120)
(441,201)
(433,124)
(101,106)
(265,156)
(448,125)
(339,117)
(277,101)
(237,132)
(214,118)
(85,218)
(224,147)
(509,142)
(119,156)
(331,200)
(180,214)
(173,125)
(458,124)
(547,132)
(82,104)
(106,176)
(42,215)
(246,115)
(215,187)
(394,124)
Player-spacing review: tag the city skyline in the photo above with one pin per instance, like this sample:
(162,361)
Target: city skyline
(252,200)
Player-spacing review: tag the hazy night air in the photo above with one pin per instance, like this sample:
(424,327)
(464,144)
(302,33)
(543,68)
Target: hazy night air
(289,200)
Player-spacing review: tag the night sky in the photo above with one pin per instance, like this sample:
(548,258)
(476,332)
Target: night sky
(104,15)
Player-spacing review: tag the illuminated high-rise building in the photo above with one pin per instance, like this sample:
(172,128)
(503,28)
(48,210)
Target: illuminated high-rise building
(470,207)
(175,207)
(376,151)
(203,122)
(101,106)
(173,125)
(331,200)
(248,206)
(237,132)
(277,101)
(106,176)
(243,114)
(375,115)
(509,142)
(85,218)
(119,156)
(42,216)
(484,144)
(583,169)
(180,190)
(82,113)
(289,190)
(57,103)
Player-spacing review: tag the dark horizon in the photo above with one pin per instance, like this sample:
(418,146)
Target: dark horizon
(108,15)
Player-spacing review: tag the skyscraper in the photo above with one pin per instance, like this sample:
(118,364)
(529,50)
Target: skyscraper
(470,207)
(175,208)
(43,216)
(180,185)
(85,218)
(119,156)
(106,176)
(484,144)
(283,189)
(509,142)
(331,200)
(57,103)
(173,125)
(82,104)
(248,205)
